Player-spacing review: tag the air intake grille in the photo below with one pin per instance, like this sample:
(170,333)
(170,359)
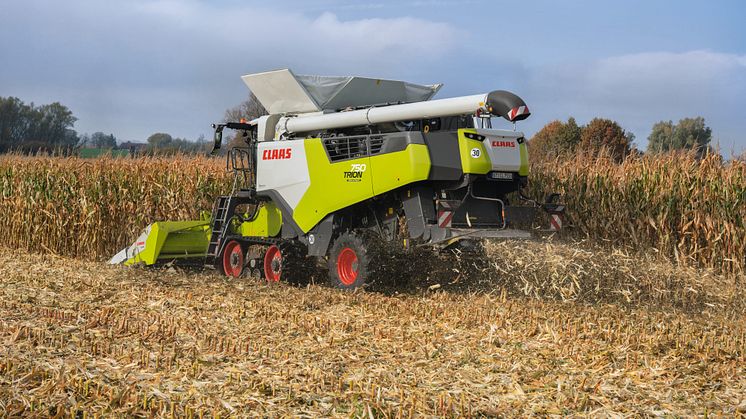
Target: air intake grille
(344,148)
(375,143)
(353,147)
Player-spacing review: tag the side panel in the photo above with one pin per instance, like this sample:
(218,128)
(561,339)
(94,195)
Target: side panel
(524,159)
(266,223)
(474,156)
(392,170)
(333,186)
(282,166)
(167,240)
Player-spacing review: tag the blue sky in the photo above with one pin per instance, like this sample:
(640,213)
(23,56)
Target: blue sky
(137,67)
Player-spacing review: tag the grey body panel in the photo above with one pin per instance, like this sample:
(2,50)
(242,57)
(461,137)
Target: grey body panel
(419,208)
(333,92)
(445,159)
(322,235)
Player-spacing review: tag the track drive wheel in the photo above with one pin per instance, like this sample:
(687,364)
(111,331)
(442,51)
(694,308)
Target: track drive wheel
(286,262)
(353,260)
(233,259)
(273,264)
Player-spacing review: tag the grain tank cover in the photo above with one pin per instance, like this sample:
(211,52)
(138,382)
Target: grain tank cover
(282,92)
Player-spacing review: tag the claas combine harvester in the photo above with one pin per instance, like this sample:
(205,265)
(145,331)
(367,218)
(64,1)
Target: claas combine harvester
(346,169)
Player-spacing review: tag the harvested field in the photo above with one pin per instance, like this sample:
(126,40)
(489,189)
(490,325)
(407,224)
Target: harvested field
(85,338)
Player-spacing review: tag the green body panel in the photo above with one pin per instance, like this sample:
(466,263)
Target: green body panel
(476,165)
(340,184)
(523,171)
(174,240)
(266,223)
(392,170)
(333,185)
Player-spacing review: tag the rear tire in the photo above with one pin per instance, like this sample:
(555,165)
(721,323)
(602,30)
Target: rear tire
(353,260)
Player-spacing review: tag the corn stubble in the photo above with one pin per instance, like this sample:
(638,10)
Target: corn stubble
(84,339)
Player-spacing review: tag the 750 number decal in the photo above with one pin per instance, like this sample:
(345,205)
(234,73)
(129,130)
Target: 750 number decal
(355,174)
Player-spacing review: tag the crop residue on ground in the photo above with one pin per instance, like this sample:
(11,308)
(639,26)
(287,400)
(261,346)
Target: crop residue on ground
(84,337)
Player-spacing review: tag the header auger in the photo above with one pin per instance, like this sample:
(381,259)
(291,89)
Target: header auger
(347,169)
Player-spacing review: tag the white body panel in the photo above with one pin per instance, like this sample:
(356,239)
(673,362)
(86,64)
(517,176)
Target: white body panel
(288,175)
(503,149)
(431,109)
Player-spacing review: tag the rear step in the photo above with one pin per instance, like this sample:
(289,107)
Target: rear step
(457,234)
(488,233)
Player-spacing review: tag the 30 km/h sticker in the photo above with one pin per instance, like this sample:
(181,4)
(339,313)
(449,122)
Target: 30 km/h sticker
(475,153)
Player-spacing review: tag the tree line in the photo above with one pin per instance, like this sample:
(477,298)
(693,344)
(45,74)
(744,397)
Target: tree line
(28,128)
(559,139)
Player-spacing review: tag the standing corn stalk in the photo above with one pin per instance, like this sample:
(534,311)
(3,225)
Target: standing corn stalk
(691,210)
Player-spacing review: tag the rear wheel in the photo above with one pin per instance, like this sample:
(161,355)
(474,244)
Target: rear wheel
(233,259)
(352,261)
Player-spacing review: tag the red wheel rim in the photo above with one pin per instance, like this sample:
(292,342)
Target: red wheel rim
(233,259)
(273,264)
(347,266)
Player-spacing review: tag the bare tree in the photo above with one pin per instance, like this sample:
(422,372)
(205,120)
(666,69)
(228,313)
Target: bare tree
(249,109)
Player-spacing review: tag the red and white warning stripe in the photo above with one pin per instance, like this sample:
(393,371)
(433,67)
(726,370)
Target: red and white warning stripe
(517,111)
(555,221)
(446,210)
(444,218)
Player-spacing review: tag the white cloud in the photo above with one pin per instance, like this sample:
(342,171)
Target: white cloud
(269,39)
(183,48)
(695,76)
(640,89)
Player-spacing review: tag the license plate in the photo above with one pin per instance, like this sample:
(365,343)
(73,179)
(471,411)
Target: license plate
(500,176)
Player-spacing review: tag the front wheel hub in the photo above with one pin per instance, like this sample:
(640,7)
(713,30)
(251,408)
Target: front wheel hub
(347,266)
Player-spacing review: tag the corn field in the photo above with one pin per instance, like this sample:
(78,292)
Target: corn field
(689,210)
(692,211)
(92,208)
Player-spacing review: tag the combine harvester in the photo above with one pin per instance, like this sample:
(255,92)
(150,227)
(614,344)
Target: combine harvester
(349,168)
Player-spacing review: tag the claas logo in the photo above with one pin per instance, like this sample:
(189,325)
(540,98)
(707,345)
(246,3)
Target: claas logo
(503,144)
(277,154)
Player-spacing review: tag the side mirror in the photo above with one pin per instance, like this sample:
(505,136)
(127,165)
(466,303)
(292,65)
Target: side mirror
(218,138)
